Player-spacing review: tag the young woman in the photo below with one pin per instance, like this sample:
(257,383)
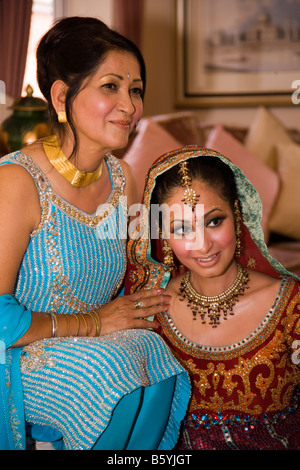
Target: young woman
(95,380)
(233,319)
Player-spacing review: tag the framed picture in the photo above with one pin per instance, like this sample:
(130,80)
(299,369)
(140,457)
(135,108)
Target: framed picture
(237,52)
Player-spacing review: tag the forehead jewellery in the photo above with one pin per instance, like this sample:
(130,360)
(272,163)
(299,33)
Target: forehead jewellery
(213,306)
(190,196)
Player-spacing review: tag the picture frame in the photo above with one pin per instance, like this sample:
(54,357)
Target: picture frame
(237,53)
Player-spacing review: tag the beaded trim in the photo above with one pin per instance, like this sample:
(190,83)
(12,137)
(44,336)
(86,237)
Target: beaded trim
(47,194)
(36,357)
(199,419)
(233,350)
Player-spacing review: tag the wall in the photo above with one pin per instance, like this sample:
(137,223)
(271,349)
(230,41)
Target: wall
(160,56)
(102,9)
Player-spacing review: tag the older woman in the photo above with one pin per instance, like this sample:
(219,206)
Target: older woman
(81,367)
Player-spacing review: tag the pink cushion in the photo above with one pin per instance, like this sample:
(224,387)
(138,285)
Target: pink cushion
(151,142)
(264,179)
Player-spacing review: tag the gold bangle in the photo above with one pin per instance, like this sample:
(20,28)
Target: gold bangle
(92,317)
(68,324)
(78,323)
(85,322)
(97,322)
(54,325)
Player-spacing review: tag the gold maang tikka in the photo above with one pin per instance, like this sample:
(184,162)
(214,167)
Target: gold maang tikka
(190,197)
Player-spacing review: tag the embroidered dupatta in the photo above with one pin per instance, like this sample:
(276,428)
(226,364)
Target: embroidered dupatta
(14,322)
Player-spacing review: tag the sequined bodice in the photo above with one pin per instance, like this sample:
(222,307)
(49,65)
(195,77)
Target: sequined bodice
(254,376)
(75,261)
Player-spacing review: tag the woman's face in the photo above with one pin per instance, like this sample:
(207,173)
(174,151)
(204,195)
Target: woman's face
(204,240)
(110,103)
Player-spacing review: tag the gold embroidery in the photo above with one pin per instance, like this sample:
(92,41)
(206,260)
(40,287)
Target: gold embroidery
(251,263)
(36,357)
(255,339)
(263,381)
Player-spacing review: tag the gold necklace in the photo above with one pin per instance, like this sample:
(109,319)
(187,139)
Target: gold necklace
(212,306)
(61,163)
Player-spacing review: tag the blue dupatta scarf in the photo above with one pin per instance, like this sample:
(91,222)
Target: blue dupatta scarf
(14,322)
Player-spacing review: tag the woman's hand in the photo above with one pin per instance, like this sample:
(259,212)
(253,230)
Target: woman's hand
(131,311)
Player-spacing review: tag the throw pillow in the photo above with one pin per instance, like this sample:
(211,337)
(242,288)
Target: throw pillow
(265,132)
(151,142)
(184,126)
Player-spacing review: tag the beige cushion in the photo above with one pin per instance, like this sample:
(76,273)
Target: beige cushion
(151,142)
(264,134)
(285,218)
(265,180)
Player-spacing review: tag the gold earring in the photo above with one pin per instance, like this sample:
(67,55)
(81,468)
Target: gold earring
(62,116)
(168,256)
(238,232)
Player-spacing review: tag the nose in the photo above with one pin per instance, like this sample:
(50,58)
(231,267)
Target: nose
(126,103)
(206,242)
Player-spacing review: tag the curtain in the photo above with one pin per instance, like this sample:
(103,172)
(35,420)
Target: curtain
(128,19)
(15,16)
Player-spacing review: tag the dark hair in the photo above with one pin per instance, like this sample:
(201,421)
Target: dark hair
(71,51)
(207,169)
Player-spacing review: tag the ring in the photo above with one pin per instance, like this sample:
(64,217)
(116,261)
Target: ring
(138,304)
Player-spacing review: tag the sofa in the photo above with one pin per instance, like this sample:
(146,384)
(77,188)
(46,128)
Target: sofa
(266,152)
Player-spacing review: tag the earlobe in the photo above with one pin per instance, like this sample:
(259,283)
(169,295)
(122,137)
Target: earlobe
(58,95)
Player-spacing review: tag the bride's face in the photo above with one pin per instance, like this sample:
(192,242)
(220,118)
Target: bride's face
(203,240)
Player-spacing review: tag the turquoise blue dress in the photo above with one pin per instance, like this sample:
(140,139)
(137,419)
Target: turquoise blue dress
(120,391)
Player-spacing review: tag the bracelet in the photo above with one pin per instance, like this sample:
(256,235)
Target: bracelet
(92,317)
(54,325)
(97,322)
(78,323)
(68,324)
(85,322)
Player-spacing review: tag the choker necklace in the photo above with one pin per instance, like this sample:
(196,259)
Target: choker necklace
(61,163)
(213,306)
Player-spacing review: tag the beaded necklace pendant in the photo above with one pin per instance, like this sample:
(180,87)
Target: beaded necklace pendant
(212,307)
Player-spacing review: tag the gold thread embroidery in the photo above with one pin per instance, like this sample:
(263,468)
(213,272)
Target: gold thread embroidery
(36,357)
(263,382)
